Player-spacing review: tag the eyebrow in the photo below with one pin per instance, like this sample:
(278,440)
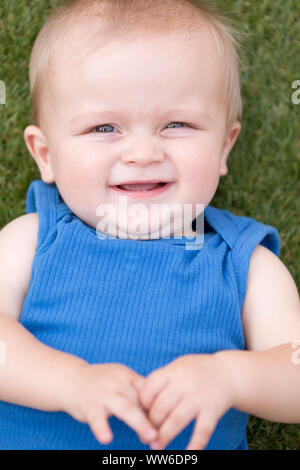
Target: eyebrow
(195,112)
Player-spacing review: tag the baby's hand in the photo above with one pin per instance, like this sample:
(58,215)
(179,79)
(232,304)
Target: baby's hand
(195,386)
(101,390)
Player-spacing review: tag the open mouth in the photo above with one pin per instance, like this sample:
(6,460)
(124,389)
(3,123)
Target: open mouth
(141,190)
(141,186)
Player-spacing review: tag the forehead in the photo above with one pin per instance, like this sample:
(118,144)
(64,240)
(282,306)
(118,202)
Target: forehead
(153,68)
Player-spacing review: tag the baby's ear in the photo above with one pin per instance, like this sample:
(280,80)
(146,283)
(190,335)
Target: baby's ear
(229,142)
(37,145)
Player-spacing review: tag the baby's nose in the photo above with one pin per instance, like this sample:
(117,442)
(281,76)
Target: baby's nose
(143,152)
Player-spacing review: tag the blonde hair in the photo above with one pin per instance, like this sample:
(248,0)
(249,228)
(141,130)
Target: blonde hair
(131,17)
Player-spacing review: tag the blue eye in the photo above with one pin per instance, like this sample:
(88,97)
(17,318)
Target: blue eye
(171,123)
(103,126)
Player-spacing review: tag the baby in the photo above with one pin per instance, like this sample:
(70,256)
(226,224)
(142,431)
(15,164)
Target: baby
(120,335)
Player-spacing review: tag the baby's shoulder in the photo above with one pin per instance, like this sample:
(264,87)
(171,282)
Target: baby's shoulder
(27,221)
(20,233)
(18,241)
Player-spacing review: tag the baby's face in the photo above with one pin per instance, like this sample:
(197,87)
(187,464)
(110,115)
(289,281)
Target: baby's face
(140,110)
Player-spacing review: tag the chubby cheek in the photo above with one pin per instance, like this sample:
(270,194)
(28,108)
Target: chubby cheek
(79,181)
(78,164)
(202,179)
(70,176)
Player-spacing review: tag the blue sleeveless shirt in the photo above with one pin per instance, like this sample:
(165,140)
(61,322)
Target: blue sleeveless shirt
(142,303)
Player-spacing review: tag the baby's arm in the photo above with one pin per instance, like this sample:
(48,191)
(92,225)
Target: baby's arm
(35,375)
(27,375)
(268,374)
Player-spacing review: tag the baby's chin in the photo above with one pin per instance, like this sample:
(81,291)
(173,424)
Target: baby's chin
(144,231)
(139,224)
(131,234)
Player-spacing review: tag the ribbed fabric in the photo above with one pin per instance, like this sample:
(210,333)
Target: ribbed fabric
(139,303)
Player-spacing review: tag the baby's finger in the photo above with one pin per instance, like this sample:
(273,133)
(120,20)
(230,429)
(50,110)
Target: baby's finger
(131,392)
(138,382)
(153,385)
(163,405)
(99,425)
(133,416)
(177,420)
(204,427)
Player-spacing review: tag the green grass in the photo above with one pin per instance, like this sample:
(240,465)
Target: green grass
(263,179)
